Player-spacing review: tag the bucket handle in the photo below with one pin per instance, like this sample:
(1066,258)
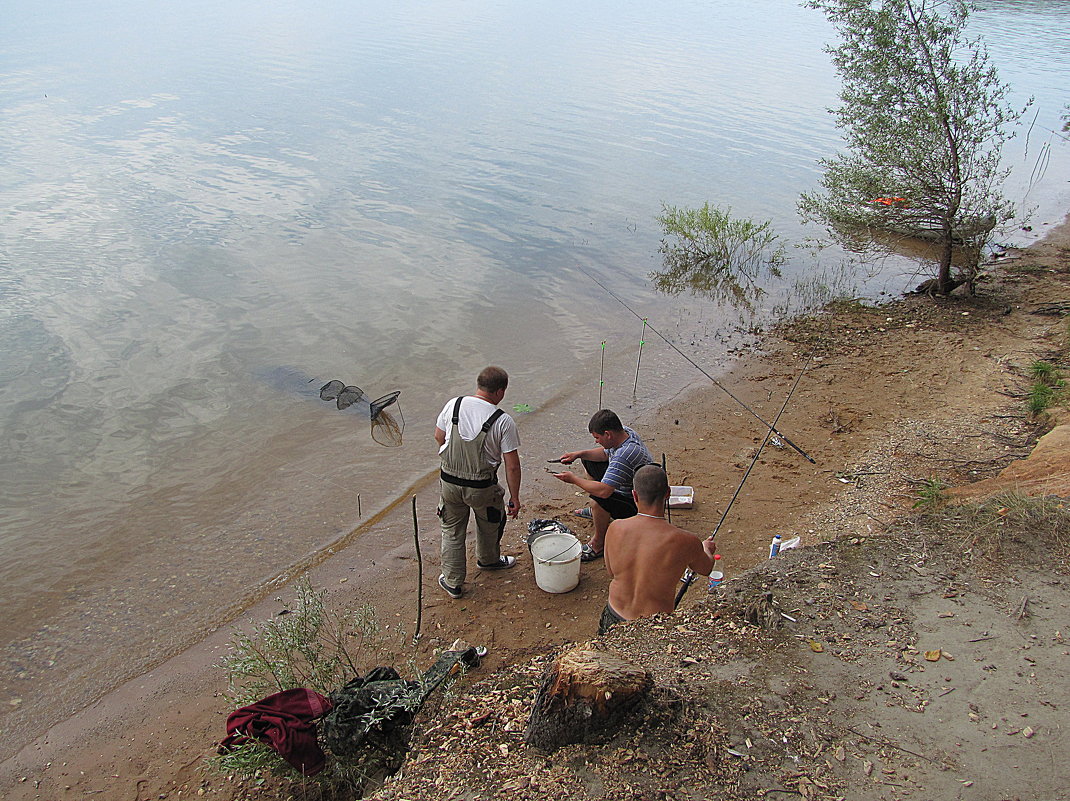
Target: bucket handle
(569,548)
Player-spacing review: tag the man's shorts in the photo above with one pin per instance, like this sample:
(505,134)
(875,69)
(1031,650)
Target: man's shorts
(618,505)
(610,618)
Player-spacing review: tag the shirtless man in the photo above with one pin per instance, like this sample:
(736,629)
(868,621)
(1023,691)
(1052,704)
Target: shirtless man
(646,555)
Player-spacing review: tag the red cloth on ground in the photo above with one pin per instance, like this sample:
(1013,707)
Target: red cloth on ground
(286,722)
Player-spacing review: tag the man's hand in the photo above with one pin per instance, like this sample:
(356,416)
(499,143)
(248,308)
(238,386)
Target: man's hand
(568,477)
(513,508)
(570,457)
(709,546)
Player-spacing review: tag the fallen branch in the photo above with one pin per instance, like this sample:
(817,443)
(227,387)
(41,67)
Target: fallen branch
(890,744)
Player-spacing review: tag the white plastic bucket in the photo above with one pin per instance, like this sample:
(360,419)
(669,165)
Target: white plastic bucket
(557,562)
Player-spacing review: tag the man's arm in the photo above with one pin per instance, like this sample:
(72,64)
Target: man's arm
(598,489)
(440,436)
(702,560)
(605,550)
(591,455)
(512,480)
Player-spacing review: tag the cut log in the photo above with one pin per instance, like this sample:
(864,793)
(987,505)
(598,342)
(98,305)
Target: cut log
(584,697)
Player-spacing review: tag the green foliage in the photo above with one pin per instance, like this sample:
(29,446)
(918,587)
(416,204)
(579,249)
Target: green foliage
(1048,387)
(932,494)
(711,253)
(306,646)
(1042,396)
(924,116)
(1046,372)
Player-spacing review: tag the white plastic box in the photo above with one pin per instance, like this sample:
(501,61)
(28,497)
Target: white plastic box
(681,497)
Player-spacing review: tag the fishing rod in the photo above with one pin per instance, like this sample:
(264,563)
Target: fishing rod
(689,574)
(771,428)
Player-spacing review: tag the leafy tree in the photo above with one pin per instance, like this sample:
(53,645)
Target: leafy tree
(924,116)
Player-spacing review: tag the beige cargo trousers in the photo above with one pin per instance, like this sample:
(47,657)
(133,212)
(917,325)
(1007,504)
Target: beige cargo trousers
(468,485)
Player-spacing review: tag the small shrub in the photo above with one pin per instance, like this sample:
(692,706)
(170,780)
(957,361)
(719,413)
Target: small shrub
(932,494)
(713,254)
(306,646)
(1046,372)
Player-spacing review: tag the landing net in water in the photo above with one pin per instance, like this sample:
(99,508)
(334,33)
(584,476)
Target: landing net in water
(387,429)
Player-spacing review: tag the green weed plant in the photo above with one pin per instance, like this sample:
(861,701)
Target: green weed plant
(710,253)
(310,646)
(1048,387)
(932,494)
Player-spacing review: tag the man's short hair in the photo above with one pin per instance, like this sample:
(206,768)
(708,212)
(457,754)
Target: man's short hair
(604,420)
(650,484)
(491,379)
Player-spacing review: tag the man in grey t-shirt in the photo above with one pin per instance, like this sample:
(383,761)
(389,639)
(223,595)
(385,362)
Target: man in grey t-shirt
(610,465)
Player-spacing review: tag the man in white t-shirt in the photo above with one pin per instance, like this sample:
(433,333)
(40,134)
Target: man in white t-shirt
(474,437)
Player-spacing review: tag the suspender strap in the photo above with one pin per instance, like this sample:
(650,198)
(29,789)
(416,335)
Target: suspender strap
(492,420)
(486,426)
(477,443)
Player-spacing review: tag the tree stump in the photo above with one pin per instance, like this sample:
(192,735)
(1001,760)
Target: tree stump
(585,695)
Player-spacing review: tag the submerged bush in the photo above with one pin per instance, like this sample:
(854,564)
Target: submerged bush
(709,252)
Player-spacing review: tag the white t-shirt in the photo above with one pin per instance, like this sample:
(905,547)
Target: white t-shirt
(502,437)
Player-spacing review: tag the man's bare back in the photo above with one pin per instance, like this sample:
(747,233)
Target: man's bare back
(645,557)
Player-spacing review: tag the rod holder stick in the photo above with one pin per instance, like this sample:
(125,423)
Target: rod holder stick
(642,341)
(420,574)
(695,364)
(601,373)
(358,506)
(668,506)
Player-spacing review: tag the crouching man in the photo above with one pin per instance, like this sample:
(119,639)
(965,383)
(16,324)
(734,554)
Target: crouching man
(646,555)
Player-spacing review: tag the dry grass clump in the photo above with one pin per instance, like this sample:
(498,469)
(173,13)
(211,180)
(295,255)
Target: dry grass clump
(1002,525)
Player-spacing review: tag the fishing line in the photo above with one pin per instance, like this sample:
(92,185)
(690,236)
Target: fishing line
(694,364)
(689,575)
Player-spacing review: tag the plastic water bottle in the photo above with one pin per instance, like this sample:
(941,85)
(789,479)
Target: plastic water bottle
(715,576)
(774,546)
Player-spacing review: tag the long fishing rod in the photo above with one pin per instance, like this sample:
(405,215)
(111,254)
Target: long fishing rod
(693,363)
(689,574)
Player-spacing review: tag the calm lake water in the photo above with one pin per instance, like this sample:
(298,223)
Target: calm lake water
(209,209)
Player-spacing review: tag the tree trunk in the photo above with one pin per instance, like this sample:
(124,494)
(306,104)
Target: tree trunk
(944,284)
(584,697)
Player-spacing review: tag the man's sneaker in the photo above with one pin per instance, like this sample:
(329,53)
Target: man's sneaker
(452,592)
(504,563)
